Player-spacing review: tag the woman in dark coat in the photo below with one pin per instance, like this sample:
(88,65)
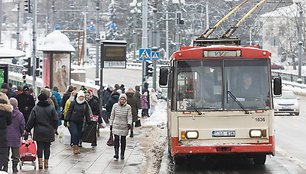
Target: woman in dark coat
(132,101)
(5,120)
(114,98)
(44,119)
(92,125)
(77,113)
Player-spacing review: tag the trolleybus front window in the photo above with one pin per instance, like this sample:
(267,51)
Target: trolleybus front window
(248,81)
(199,85)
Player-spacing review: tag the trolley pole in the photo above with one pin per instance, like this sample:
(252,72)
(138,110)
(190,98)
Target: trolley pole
(144,36)
(300,42)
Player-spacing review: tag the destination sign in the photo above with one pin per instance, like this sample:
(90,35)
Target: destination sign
(222,53)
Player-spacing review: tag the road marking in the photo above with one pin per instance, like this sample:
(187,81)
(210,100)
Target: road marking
(291,157)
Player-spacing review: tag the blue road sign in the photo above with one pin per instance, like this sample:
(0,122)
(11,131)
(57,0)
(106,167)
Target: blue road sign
(111,25)
(57,27)
(144,53)
(155,55)
(90,27)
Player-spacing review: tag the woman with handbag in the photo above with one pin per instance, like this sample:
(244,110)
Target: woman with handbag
(78,117)
(120,123)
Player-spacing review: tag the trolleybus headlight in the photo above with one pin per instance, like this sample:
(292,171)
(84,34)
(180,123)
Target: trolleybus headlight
(192,134)
(255,133)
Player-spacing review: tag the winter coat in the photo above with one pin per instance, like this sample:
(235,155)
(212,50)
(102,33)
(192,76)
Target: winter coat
(66,96)
(5,120)
(144,102)
(121,116)
(44,120)
(59,100)
(137,94)
(95,107)
(15,130)
(106,96)
(112,100)
(10,93)
(25,100)
(77,112)
(132,101)
(148,96)
(153,99)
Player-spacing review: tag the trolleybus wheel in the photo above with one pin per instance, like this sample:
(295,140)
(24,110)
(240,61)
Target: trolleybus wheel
(260,160)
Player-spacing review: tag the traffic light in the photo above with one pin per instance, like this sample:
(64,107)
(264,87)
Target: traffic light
(179,19)
(27,66)
(24,76)
(38,66)
(149,69)
(27,5)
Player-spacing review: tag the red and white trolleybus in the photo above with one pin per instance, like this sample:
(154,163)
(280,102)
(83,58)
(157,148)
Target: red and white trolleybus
(220,102)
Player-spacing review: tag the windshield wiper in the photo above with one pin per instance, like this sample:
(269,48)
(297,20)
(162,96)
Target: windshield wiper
(193,107)
(237,101)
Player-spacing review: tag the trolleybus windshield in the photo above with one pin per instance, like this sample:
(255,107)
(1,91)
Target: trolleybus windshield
(206,84)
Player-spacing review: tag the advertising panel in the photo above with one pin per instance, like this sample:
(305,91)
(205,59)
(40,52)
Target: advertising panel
(61,71)
(46,74)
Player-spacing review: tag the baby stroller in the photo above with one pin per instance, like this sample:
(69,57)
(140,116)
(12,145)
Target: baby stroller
(27,151)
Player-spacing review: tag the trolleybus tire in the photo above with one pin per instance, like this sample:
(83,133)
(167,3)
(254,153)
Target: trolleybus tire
(297,113)
(259,160)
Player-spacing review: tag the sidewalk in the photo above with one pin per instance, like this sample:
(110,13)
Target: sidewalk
(97,159)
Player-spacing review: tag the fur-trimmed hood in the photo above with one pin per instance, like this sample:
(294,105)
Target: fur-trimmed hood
(5,103)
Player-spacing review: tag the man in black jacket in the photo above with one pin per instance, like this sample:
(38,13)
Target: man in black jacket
(8,91)
(26,102)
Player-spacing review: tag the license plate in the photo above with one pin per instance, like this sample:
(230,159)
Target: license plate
(285,107)
(224,133)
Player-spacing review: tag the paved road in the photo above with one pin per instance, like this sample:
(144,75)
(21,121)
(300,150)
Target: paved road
(290,156)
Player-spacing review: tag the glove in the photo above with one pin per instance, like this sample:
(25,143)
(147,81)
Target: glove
(111,127)
(129,126)
(65,123)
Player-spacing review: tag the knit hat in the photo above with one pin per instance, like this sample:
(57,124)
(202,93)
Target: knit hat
(47,92)
(130,90)
(80,93)
(42,97)
(122,96)
(25,88)
(14,102)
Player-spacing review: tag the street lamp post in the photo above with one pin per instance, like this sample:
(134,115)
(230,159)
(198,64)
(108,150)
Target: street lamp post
(97,46)
(144,36)
(300,41)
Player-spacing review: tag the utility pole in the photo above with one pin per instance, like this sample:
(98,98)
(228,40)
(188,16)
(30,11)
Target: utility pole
(52,15)
(97,46)
(207,16)
(154,44)
(85,36)
(300,41)
(18,26)
(167,35)
(34,44)
(144,36)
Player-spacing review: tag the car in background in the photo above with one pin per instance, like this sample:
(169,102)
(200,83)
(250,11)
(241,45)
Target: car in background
(276,66)
(287,103)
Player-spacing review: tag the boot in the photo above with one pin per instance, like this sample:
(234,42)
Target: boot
(75,149)
(116,156)
(4,167)
(40,163)
(14,167)
(46,163)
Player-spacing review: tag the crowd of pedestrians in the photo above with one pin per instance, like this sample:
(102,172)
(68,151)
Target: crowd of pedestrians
(81,111)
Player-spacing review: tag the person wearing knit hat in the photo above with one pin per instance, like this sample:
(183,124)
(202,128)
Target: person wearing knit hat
(120,123)
(44,120)
(5,120)
(77,116)
(26,103)
(14,133)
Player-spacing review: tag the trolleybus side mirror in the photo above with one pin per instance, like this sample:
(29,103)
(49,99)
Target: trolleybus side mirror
(277,86)
(163,76)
